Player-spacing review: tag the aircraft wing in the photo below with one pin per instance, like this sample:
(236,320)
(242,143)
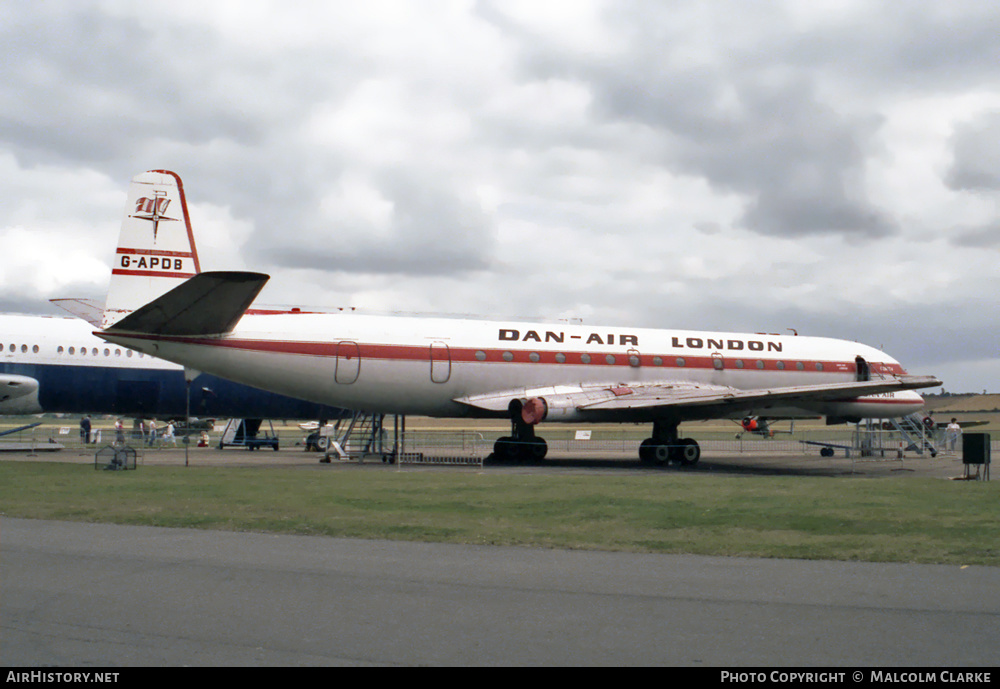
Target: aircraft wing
(963,424)
(643,401)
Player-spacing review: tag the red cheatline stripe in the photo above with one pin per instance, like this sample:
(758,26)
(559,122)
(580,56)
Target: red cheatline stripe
(155,252)
(873,400)
(389,352)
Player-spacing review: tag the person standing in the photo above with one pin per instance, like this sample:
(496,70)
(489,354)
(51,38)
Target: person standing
(85,430)
(952,433)
(168,435)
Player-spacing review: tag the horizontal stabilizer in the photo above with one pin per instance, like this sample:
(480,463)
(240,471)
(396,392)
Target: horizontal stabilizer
(207,304)
(86,309)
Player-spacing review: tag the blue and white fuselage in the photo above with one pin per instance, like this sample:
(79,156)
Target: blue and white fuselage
(56,364)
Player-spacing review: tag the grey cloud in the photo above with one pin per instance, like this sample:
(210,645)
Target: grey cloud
(97,88)
(976,154)
(741,123)
(434,231)
(987,237)
(781,116)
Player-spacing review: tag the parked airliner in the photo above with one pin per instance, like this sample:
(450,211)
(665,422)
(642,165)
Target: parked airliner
(57,364)
(528,372)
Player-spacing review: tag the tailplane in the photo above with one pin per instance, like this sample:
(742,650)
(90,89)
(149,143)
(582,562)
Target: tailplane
(207,304)
(156,249)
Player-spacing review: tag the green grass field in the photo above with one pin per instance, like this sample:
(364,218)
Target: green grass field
(918,520)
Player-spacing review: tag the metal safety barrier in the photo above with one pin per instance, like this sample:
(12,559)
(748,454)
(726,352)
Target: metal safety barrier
(443,447)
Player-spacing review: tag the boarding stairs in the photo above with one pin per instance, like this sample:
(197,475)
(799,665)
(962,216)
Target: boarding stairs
(353,437)
(246,433)
(918,436)
(915,433)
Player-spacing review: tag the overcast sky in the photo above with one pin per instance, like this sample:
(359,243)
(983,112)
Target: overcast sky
(828,166)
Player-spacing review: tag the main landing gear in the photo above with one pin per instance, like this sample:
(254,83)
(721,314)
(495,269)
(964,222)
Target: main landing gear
(522,445)
(664,446)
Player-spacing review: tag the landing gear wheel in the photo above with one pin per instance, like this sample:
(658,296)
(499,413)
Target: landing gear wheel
(509,449)
(522,445)
(662,453)
(646,455)
(537,449)
(653,451)
(505,449)
(688,452)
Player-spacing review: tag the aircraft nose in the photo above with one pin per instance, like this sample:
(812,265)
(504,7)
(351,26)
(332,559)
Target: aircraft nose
(912,399)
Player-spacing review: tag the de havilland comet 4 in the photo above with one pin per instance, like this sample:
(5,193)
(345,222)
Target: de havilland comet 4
(527,372)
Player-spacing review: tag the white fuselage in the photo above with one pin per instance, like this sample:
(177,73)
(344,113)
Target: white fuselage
(411,365)
(60,341)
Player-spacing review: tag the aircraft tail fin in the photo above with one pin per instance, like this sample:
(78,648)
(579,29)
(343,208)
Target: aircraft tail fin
(156,249)
(207,304)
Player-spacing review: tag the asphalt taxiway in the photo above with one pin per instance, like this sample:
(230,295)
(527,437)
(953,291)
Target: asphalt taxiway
(79,594)
(97,595)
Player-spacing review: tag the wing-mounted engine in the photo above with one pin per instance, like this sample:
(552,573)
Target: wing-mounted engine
(561,403)
(570,403)
(18,394)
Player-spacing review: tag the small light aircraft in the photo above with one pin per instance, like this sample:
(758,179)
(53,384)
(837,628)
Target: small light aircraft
(527,372)
(758,426)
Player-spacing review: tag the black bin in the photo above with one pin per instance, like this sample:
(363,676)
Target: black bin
(975,448)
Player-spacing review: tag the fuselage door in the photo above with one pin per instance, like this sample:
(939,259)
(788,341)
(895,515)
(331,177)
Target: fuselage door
(348,362)
(440,362)
(864,370)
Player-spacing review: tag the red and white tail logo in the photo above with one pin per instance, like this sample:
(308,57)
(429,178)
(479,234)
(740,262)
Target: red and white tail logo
(156,249)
